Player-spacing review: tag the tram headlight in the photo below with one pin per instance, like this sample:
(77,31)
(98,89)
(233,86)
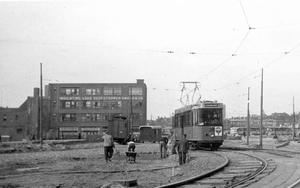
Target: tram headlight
(212,135)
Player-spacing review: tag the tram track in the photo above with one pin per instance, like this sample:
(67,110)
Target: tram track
(287,171)
(230,174)
(197,177)
(290,169)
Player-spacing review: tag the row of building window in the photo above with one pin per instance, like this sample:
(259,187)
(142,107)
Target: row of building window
(15,119)
(98,104)
(97,91)
(91,117)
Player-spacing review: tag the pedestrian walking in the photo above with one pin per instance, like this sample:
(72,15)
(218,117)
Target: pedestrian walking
(108,146)
(183,147)
(163,147)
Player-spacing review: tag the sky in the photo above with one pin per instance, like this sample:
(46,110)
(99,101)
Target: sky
(225,47)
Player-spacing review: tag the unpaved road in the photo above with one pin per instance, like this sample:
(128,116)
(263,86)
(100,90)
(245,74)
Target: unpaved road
(83,165)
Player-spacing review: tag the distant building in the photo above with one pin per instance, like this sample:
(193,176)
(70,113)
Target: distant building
(268,121)
(23,122)
(77,110)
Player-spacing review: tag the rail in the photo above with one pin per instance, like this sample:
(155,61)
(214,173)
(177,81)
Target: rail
(259,171)
(203,175)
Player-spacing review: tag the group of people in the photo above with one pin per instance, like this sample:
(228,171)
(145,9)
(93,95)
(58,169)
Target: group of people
(175,147)
(108,144)
(171,146)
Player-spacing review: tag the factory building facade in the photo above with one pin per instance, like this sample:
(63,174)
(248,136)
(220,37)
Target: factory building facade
(75,110)
(82,110)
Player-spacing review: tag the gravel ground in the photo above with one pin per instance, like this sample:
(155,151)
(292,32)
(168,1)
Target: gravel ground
(83,165)
(282,143)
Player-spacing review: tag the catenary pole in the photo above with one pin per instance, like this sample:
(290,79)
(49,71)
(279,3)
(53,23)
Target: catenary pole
(41,106)
(131,112)
(248,117)
(261,109)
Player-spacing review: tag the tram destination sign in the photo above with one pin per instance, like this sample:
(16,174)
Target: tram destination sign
(211,105)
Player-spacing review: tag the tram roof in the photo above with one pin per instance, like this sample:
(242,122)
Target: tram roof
(201,104)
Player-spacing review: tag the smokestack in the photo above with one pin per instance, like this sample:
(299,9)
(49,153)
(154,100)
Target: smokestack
(36,92)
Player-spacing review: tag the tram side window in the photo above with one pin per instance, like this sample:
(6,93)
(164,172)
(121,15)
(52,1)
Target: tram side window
(199,117)
(186,119)
(176,121)
(190,118)
(195,118)
(186,122)
(182,122)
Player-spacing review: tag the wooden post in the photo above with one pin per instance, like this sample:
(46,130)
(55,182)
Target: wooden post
(261,110)
(248,117)
(41,107)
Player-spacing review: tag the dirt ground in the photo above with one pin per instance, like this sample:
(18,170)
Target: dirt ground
(83,165)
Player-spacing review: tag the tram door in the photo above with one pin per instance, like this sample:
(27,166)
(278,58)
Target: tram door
(182,121)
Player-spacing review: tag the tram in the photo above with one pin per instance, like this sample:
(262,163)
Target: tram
(202,123)
(150,133)
(279,130)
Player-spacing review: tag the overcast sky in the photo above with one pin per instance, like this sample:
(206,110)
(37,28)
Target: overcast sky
(223,45)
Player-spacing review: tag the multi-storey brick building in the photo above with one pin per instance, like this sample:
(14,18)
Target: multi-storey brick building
(77,110)
(23,122)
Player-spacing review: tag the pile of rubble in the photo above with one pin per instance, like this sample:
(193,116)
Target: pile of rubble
(234,137)
(30,147)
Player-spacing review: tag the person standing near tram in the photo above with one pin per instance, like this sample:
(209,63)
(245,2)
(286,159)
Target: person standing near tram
(183,147)
(172,143)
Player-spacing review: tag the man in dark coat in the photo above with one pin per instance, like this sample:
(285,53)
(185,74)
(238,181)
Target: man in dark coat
(182,147)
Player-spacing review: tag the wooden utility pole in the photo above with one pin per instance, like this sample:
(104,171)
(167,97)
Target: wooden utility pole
(41,108)
(248,117)
(261,109)
(131,111)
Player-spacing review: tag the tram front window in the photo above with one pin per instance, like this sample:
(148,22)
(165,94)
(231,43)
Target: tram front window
(212,116)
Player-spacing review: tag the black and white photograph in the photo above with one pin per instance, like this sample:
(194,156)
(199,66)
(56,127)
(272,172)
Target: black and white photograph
(144,94)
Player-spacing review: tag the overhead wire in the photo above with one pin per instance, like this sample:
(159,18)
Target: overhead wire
(235,52)
(239,81)
(194,52)
(51,80)
(115,48)
(245,16)
(150,50)
(286,25)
